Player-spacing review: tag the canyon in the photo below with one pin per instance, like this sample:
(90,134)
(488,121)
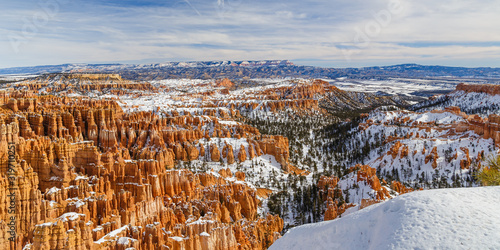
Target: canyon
(94,161)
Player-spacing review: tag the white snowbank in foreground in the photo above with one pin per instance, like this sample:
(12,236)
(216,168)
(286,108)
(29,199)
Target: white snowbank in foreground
(465,218)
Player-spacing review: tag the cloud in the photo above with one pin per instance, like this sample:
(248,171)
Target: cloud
(318,31)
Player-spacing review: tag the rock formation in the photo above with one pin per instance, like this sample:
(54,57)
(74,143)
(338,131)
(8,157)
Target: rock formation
(491,89)
(88,175)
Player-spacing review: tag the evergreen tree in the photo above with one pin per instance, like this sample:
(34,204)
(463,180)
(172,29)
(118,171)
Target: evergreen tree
(490,174)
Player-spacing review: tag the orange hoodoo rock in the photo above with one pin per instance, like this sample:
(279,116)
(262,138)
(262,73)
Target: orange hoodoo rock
(242,155)
(224,83)
(465,163)
(368,174)
(88,176)
(433,156)
(227,152)
(489,128)
(400,188)
(394,151)
(251,151)
(333,210)
(214,153)
(329,191)
(276,146)
(326,182)
(240,176)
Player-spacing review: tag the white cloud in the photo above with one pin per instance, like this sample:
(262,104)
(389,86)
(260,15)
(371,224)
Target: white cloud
(465,30)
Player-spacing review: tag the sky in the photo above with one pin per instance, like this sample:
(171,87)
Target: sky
(327,33)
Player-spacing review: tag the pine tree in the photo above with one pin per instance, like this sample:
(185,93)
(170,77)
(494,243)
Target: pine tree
(490,174)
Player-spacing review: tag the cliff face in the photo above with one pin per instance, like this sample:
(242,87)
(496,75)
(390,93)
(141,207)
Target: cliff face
(491,89)
(489,127)
(88,175)
(82,83)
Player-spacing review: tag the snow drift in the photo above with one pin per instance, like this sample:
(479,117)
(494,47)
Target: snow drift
(464,218)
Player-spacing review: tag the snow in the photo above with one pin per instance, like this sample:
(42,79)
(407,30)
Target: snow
(441,118)
(395,86)
(200,221)
(81,177)
(125,240)
(481,104)
(177,238)
(463,218)
(112,235)
(193,97)
(357,191)
(445,118)
(53,203)
(55,178)
(413,170)
(231,123)
(52,190)
(70,216)
(78,203)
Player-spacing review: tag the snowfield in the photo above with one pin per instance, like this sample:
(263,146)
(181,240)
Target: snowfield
(462,218)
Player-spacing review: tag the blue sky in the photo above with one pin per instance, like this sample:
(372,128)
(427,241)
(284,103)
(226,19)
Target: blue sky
(336,33)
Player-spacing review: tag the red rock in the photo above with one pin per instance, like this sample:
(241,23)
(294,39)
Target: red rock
(490,89)
(433,156)
(224,83)
(214,153)
(242,155)
(400,188)
(88,157)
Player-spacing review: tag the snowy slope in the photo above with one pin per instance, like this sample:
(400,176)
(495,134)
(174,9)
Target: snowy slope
(414,169)
(469,102)
(465,218)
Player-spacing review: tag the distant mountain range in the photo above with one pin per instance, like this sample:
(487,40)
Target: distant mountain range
(257,69)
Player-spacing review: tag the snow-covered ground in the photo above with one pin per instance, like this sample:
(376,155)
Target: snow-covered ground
(465,218)
(395,86)
(15,77)
(481,104)
(414,169)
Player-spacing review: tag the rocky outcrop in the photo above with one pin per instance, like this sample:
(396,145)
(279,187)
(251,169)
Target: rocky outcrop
(227,152)
(368,175)
(276,146)
(214,153)
(335,199)
(432,157)
(489,127)
(491,89)
(465,163)
(400,188)
(394,151)
(226,83)
(333,210)
(242,154)
(71,83)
